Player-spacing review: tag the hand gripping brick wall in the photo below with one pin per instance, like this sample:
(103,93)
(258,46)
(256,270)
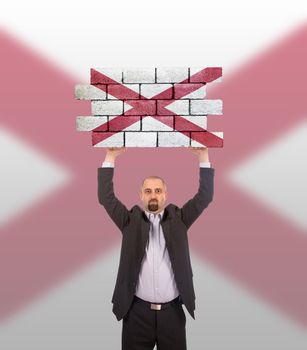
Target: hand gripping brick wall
(150,107)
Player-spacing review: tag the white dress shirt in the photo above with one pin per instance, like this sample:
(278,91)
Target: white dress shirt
(156,282)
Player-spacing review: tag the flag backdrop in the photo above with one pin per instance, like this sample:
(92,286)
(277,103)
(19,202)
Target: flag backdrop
(59,250)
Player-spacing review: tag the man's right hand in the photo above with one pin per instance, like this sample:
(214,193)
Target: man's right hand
(113,152)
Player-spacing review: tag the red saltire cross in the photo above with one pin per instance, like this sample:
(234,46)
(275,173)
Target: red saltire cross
(205,137)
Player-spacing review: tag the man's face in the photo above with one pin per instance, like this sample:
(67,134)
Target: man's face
(153,195)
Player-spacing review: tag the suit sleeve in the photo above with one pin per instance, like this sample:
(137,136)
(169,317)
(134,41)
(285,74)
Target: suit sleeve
(192,209)
(114,207)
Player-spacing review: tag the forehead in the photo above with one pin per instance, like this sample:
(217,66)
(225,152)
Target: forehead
(153,183)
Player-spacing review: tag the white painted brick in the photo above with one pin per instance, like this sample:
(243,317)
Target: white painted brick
(116,140)
(114,73)
(219,134)
(197,94)
(107,107)
(127,107)
(173,139)
(150,90)
(196,144)
(180,107)
(152,124)
(140,139)
(89,123)
(204,107)
(199,120)
(139,75)
(89,92)
(172,74)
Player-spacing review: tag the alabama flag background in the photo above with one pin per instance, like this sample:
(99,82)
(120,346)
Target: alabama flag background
(59,250)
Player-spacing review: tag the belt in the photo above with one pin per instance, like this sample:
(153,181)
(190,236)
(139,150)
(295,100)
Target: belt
(156,306)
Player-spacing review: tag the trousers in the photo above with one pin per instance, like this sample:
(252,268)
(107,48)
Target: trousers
(143,327)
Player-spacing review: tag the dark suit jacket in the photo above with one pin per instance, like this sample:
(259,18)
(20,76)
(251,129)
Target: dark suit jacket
(134,226)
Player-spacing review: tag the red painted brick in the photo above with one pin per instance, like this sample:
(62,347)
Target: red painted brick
(206,75)
(207,139)
(100,136)
(120,123)
(116,90)
(141,107)
(185,125)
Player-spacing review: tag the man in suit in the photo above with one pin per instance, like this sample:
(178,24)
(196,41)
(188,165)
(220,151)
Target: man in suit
(155,275)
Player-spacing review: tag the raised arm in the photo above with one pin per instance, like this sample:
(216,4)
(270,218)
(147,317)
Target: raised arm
(114,207)
(194,207)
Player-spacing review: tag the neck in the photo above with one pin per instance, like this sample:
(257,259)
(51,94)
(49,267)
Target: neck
(154,212)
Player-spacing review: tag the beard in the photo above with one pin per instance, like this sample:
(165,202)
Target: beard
(153,205)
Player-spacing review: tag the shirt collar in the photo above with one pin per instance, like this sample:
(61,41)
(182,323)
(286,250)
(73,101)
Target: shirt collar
(148,213)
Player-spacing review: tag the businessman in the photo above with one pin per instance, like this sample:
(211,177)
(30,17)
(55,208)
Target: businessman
(155,276)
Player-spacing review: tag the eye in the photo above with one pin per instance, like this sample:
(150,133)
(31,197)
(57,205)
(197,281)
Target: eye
(158,190)
(147,191)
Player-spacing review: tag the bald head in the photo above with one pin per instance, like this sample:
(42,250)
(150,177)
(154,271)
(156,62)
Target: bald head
(153,177)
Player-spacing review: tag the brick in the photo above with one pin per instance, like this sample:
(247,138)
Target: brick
(90,123)
(140,107)
(139,75)
(205,75)
(185,123)
(173,139)
(219,134)
(107,76)
(132,92)
(204,107)
(208,139)
(172,74)
(118,124)
(161,91)
(199,91)
(107,107)
(140,139)
(108,139)
(158,123)
(90,92)
(180,107)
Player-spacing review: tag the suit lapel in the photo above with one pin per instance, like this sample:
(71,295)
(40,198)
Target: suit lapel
(145,226)
(165,223)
